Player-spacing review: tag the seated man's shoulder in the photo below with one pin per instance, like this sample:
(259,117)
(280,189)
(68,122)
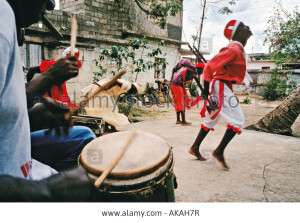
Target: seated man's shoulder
(7,21)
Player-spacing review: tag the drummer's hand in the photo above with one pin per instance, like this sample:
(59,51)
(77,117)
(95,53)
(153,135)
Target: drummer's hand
(62,70)
(50,114)
(73,185)
(212,105)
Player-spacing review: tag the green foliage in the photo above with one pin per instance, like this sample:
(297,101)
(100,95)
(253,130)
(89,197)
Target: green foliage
(193,88)
(151,93)
(283,36)
(275,87)
(125,105)
(118,54)
(246,100)
(157,9)
(225,11)
(290,90)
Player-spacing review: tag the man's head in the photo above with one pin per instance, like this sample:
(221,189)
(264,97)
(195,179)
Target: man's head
(200,66)
(237,30)
(29,12)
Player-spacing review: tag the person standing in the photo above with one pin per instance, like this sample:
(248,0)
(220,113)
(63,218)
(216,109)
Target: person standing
(164,88)
(18,172)
(228,67)
(178,85)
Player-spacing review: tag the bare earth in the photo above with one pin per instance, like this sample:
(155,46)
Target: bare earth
(253,112)
(264,167)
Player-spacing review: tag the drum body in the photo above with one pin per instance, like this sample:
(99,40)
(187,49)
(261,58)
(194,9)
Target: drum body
(94,123)
(145,177)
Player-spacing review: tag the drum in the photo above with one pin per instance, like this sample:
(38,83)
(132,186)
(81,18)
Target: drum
(94,123)
(145,172)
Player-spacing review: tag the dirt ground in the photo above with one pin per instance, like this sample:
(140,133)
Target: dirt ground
(264,167)
(253,112)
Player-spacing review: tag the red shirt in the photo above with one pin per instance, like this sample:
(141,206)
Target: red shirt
(56,94)
(229,64)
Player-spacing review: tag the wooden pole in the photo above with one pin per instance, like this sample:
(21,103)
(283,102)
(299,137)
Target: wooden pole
(51,27)
(200,55)
(74,29)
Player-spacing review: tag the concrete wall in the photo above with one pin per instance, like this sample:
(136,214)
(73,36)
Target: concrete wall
(260,77)
(102,24)
(148,26)
(260,64)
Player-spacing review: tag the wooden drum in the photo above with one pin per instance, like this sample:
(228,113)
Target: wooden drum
(145,172)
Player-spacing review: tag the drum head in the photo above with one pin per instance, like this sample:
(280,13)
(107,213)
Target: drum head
(145,154)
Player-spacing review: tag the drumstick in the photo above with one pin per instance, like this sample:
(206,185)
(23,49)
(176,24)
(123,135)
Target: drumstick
(112,165)
(104,87)
(74,28)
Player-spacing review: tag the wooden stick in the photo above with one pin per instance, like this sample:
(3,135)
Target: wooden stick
(112,165)
(111,82)
(74,28)
(104,87)
(51,27)
(200,55)
(197,56)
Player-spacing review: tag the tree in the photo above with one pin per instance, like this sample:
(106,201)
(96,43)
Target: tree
(283,35)
(158,9)
(136,65)
(213,5)
(280,120)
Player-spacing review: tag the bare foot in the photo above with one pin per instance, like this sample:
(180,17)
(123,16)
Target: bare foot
(186,123)
(221,160)
(197,154)
(178,122)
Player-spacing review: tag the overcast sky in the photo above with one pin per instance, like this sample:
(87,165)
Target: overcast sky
(254,13)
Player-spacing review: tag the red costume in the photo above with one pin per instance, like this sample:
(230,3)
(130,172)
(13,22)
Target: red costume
(180,96)
(226,68)
(56,92)
(228,65)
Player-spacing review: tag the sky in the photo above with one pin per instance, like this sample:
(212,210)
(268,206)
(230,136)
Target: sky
(254,13)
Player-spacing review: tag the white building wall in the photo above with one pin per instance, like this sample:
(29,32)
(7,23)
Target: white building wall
(260,64)
(88,56)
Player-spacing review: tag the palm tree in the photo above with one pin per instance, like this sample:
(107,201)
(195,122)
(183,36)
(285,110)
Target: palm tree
(281,119)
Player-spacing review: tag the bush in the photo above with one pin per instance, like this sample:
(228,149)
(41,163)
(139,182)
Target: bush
(125,107)
(246,100)
(194,89)
(275,87)
(152,94)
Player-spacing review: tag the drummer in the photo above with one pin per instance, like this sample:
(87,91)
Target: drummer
(59,151)
(16,164)
(18,146)
(56,92)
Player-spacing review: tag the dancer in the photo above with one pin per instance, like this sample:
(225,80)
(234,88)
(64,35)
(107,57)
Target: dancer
(180,97)
(226,68)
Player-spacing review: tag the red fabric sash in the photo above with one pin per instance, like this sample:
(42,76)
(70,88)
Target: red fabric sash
(235,129)
(221,92)
(203,110)
(187,99)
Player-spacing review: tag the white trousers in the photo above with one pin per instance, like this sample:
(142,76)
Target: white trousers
(230,111)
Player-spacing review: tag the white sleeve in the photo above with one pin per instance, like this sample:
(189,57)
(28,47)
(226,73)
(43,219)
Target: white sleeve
(5,55)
